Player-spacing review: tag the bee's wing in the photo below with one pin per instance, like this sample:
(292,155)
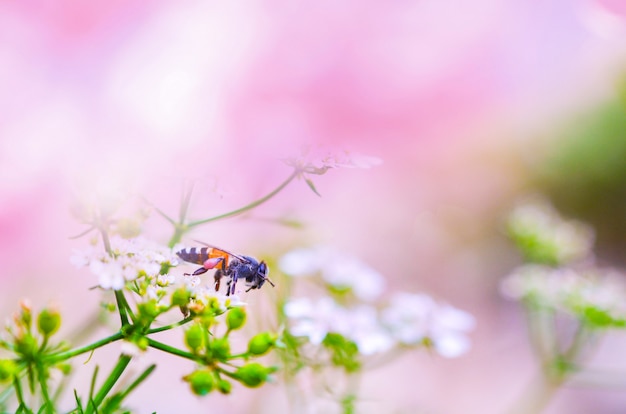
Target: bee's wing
(240,258)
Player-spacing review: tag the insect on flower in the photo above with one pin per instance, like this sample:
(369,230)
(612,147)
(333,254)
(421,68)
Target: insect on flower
(230,265)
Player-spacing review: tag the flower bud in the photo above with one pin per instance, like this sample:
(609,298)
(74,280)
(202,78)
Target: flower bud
(142,343)
(8,369)
(220,348)
(25,316)
(65,368)
(252,374)
(149,310)
(194,337)
(201,381)
(48,322)
(180,297)
(236,318)
(26,346)
(261,343)
(224,386)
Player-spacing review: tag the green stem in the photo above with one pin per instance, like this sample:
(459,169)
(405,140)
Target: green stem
(5,394)
(92,386)
(18,391)
(250,206)
(171,350)
(138,381)
(122,306)
(61,356)
(184,203)
(44,389)
(537,396)
(171,326)
(179,230)
(115,375)
(105,240)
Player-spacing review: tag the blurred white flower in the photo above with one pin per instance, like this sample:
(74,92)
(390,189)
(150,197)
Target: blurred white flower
(337,270)
(569,290)
(315,319)
(415,318)
(546,230)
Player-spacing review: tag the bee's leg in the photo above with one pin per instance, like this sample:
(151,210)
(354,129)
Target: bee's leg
(218,277)
(232,284)
(197,272)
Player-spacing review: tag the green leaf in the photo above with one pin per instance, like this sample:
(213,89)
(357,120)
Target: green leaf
(79,404)
(312,186)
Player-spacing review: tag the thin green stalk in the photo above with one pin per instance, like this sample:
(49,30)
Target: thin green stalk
(115,375)
(105,240)
(171,350)
(92,386)
(138,381)
(79,404)
(61,356)
(18,391)
(184,203)
(44,389)
(171,326)
(556,369)
(5,394)
(159,211)
(122,306)
(250,206)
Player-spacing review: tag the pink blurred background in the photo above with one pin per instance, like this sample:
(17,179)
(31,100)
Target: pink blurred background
(459,100)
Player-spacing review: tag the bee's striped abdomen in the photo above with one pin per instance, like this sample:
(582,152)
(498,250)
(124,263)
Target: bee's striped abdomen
(201,255)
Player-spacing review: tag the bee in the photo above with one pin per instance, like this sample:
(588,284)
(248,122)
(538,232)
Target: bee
(233,266)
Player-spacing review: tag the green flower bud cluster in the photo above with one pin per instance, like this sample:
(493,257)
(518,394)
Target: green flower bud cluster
(216,358)
(344,353)
(29,342)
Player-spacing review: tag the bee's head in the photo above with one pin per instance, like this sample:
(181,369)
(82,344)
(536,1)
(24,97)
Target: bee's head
(261,276)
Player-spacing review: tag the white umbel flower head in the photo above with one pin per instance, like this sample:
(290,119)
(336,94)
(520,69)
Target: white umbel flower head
(538,226)
(417,318)
(337,270)
(129,259)
(579,292)
(315,319)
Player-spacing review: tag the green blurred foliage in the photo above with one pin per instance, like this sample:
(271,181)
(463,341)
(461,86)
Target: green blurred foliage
(585,176)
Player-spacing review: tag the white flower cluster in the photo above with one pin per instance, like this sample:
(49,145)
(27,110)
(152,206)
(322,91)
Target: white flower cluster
(314,319)
(129,259)
(408,319)
(569,240)
(339,271)
(415,318)
(569,290)
(206,295)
